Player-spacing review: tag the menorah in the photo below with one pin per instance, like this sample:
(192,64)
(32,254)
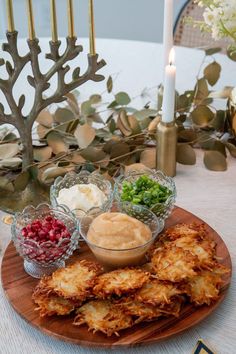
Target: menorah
(40,81)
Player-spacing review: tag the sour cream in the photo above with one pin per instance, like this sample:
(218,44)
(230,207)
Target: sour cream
(81,196)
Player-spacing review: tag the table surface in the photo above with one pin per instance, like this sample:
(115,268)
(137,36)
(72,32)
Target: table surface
(209,195)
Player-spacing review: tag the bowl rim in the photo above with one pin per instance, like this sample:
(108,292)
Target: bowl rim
(159,221)
(119,180)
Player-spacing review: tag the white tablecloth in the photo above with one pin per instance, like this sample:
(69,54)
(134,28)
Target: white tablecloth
(209,195)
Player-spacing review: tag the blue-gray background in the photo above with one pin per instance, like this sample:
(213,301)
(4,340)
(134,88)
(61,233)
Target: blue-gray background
(124,19)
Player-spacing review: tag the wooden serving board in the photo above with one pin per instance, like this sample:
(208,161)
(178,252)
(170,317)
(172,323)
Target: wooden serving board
(18,287)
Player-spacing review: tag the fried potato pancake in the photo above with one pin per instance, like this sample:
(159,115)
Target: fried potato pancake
(52,305)
(204,288)
(156,292)
(140,311)
(104,316)
(119,282)
(174,264)
(182,230)
(73,282)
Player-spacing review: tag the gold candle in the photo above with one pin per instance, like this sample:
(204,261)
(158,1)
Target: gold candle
(91,29)
(30,20)
(71,28)
(10,16)
(54,21)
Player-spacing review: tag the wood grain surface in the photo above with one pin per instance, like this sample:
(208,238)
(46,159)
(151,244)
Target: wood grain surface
(18,287)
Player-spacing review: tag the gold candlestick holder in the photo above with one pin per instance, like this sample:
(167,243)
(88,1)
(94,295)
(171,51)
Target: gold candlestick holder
(166,148)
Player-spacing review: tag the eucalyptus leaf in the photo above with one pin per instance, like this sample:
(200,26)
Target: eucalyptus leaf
(212,73)
(201,90)
(45,118)
(123,124)
(148,157)
(202,115)
(211,51)
(6,185)
(51,173)
(85,135)
(56,142)
(187,136)
(113,104)
(186,154)
(22,181)
(93,154)
(76,73)
(218,122)
(42,131)
(87,109)
(96,98)
(231,148)
(8,150)
(215,161)
(42,154)
(231,53)
(112,125)
(119,149)
(136,167)
(134,125)
(12,162)
(154,123)
(63,115)
(145,113)
(109,84)
(122,98)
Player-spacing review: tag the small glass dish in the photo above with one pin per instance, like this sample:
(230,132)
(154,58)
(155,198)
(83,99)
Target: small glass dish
(162,210)
(83,177)
(115,258)
(42,258)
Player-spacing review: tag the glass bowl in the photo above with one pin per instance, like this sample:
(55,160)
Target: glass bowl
(162,210)
(84,177)
(42,258)
(115,258)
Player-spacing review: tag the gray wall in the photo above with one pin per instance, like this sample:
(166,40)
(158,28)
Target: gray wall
(125,19)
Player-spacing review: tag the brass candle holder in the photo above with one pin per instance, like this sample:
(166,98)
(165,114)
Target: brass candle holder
(166,148)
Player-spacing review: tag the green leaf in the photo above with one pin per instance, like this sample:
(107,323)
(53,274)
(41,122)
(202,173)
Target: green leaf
(112,125)
(202,115)
(113,104)
(93,154)
(231,148)
(219,121)
(85,135)
(186,154)
(109,84)
(95,98)
(122,98)
(211,51)
(145,113)
(87,109)
(63,115)
(21,181)
(212,73)
(215,161)
(231,52)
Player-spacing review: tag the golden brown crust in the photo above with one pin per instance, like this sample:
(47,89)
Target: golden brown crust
(104,316)
(119,282)
(73,282)
(53,305)
(174,264)
(157,293)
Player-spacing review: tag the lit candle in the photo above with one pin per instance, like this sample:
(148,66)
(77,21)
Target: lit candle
(168,106)
(54,21)
(71,28)
(10,16)
(168,30)
(91,29)
(30,20)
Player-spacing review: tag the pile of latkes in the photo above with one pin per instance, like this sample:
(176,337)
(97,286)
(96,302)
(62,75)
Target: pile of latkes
(182,268)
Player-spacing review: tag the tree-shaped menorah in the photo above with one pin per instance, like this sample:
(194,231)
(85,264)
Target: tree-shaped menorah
(40,82)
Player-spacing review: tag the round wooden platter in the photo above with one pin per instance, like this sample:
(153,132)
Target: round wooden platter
(18,287)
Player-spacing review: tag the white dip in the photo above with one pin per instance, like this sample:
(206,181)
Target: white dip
(81,196)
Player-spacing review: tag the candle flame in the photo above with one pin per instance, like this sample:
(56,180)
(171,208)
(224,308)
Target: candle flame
(172,57)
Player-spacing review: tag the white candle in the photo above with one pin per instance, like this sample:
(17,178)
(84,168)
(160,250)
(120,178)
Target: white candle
(168,105)
(168,30)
